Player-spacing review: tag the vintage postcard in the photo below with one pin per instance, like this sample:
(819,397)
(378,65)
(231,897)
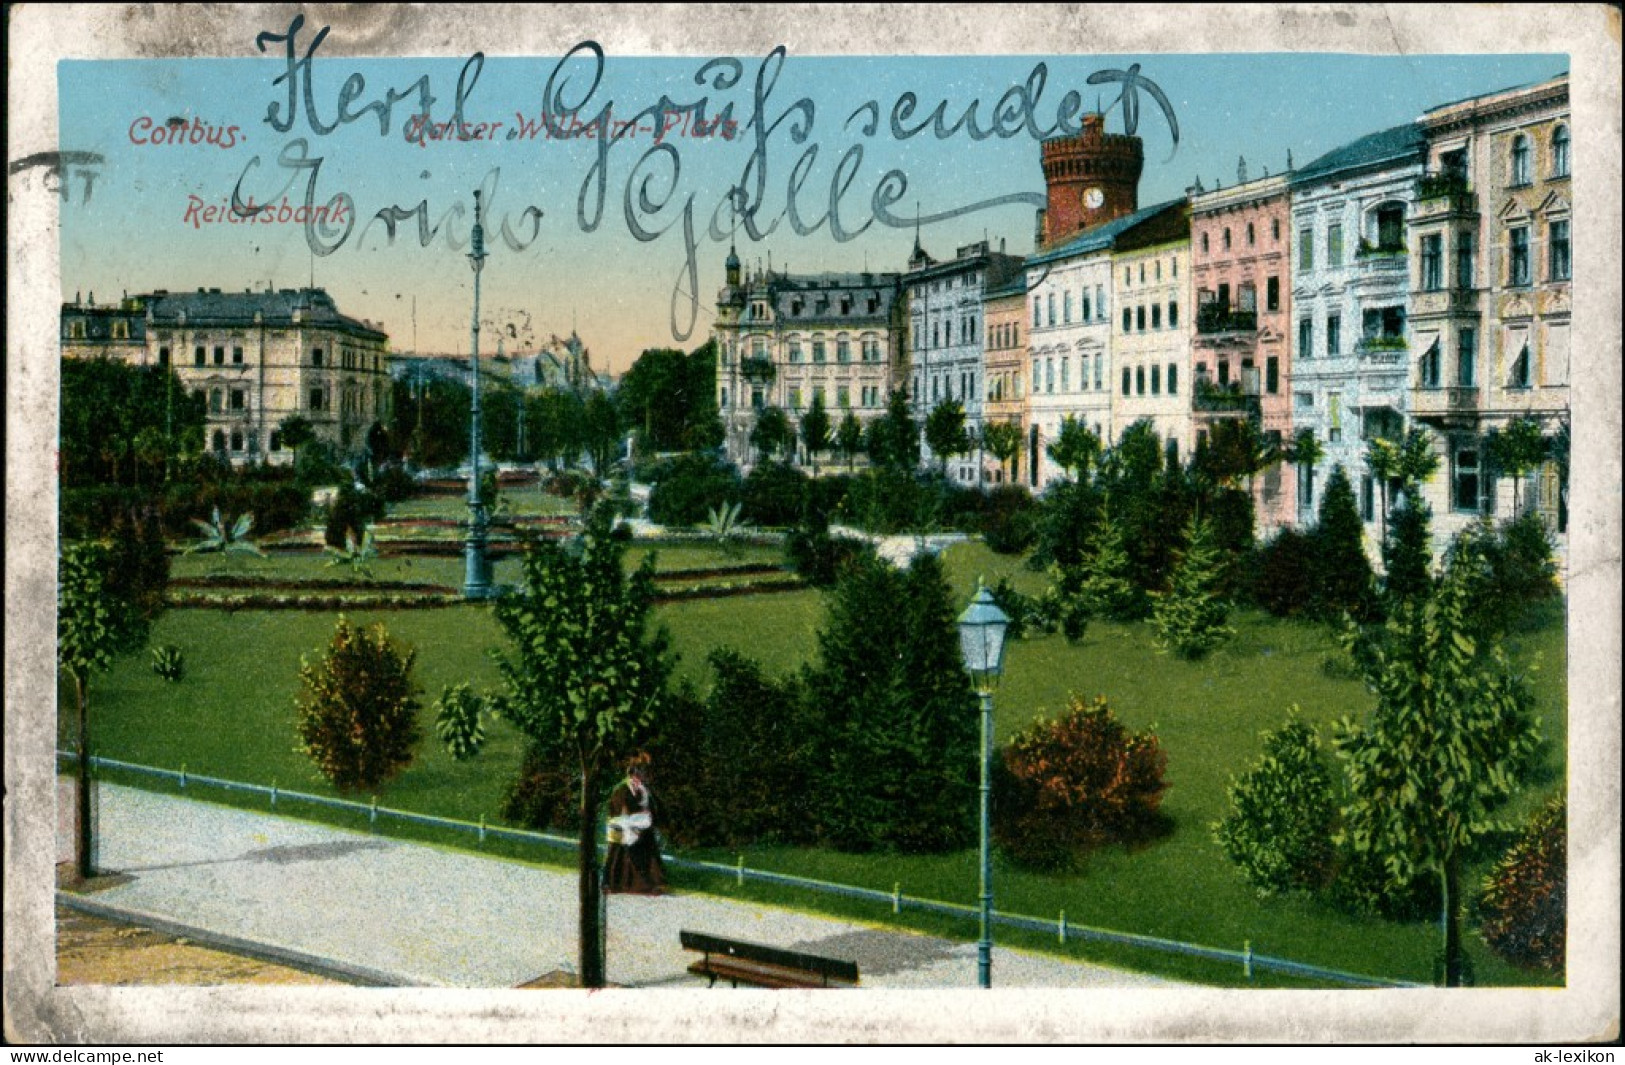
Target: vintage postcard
(557,520)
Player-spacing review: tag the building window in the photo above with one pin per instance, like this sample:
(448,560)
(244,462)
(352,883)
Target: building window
(219,354)
(1100,372)
(1156,379)
(1139,380)
(1049,375)
(1128,278)
(1303,401)
(843,351)
(1518,256)
(1306,486)
(1066,374)
(1334,416)
(1467,357)
(163,357)
(1142,273)
(1204,244)
(1306,249)
(1464,262)
(1084,314)
(1334,334)
(1049,304)
(1430,366)
(318,398)
(871,351)
(1036,381)
(1334,244)
(1272,293)
(723,403)
(1066,306)
(236,441)
(1558,243)
(1272,375)
(219,440)
(217,401)
(1464,495)
(1139,318)
(1128,319)
(316,357)
(1249,234)
(1391,227)
(1100,303)
(237,355)
(1156,316)
(1433,262)
(1036,321)
(1520,160)
(1560,152)
(1519,377)
(1226,238)
(758,399)
(818,352)
(1128,380)
(1306,338)
(239,399)
(1173,379)
(795,399)
(843,396)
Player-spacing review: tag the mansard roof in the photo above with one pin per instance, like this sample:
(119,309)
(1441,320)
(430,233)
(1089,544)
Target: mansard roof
(1397,145)
(275,307)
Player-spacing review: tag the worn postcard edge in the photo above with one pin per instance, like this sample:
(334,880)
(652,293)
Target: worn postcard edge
(1587,1009)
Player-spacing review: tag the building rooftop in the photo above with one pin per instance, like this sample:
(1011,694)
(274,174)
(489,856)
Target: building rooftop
(1398,144)
(1102,237)
(216,307)
(1561,76)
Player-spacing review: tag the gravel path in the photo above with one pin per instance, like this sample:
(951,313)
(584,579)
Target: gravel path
(421,915)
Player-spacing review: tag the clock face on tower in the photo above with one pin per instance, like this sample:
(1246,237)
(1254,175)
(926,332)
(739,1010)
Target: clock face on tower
(1093,198)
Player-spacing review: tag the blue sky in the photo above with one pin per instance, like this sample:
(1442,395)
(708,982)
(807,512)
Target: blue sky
(623,293)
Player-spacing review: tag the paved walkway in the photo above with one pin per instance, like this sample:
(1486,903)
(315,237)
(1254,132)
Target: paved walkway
(395,912)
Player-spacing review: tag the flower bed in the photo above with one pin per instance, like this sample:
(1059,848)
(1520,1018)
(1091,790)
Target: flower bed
(326,584)
(267,600)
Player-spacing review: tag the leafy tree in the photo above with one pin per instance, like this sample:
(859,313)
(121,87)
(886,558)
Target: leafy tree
(1190,617)
(893,439)
(1063,786)
(430,421)
(584,682)
(1524,901)
(653,397)
(295,431)
(945,431)
(1306,452)
(116,417)
(849,438)
(687,486)
(1003,441)
(1345,582)
(1452,737)
(357,711)
(1284,813)
(93,625)
(1074,449)
(772,433)
(775,493)
(1285,574)
(815,429)
(1516,451)
(1067,514)
(898,746)
(600,432)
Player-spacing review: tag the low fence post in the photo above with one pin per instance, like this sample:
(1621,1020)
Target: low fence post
(482,828)
(183,776)
(273,794)
(897,898)
(739,870)
(1061,926)
(372,817)
(1247,958)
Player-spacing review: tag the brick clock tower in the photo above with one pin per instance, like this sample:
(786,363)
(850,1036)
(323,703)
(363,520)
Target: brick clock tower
(1092,178)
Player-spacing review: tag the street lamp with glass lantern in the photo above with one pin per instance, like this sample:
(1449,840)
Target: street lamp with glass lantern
(476,564)
(981,644)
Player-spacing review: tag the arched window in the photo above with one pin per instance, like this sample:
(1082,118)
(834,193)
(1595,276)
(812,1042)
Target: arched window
(1520,160)
(1560,152)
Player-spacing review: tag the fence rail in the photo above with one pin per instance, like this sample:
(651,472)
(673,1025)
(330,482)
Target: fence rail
(1058,926)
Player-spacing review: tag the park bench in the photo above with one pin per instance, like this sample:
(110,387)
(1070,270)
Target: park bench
(751,963)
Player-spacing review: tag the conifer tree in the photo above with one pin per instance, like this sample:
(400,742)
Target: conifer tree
(1107,589)
(1190,617)
(1344,581)
(1407,552)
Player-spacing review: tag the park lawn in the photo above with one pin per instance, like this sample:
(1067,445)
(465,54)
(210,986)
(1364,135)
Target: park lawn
(233,717)
(521,501)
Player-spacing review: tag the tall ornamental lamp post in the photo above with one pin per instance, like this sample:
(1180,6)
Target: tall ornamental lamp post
(477,567)
(981,643)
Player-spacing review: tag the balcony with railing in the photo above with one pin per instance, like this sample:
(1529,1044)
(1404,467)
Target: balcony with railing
(1442,196)
(1440,401)
(1381,349)
(757,368)
(1217,318)
(1227,398)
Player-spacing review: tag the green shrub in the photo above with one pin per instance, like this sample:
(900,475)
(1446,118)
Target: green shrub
(458,725)
(1190,619)
(1284,811)
(1523,907)
(774,494)
(1009,520)
(687,487)
(357,709)
(1283,574)
(394,484)
(350,514)
(1064,786)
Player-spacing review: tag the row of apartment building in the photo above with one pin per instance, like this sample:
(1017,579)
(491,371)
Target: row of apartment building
(1418,276)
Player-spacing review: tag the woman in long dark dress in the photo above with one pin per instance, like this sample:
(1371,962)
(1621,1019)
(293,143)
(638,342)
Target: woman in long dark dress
(633,866)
